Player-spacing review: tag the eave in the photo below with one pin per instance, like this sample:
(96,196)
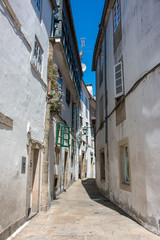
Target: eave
(74,34)
(102,25)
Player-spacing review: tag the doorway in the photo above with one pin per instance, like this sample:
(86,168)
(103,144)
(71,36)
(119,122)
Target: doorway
(65,179)
(34,181)
(91,167)
(84,166)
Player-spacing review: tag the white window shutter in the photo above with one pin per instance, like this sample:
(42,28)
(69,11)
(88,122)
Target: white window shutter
(118,79)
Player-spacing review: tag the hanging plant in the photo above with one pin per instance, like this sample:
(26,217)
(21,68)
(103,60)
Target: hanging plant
(55,96)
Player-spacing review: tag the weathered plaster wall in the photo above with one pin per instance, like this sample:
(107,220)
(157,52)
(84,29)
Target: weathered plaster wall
(140,38)
(141,127)
(139,45)
(23,97)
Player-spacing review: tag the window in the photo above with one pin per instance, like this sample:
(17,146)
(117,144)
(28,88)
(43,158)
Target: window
(86,139)
(80,121)
(117,14)
(37,7)
(60,81)
(102,166)
(68,96)
(62,135)
(118,78)
(37,56)
(57,156)
(56,182)
(125,179)
(101,110)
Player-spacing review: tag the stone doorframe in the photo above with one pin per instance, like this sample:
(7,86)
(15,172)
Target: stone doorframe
(32,144)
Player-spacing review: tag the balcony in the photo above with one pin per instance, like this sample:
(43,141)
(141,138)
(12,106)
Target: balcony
(62,33)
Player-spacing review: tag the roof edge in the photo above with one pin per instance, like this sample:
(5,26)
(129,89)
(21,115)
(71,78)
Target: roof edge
(75,36)
(100,33)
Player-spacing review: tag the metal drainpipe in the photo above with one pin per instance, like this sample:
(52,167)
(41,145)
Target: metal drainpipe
(106,93)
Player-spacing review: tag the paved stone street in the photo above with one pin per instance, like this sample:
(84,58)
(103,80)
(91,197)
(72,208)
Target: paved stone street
(82,213)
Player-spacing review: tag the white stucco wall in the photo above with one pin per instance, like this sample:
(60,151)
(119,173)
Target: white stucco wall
(86,119)
(23,99)
(139,50)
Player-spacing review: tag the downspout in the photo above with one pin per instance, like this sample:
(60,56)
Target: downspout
(105,86)
(106,113)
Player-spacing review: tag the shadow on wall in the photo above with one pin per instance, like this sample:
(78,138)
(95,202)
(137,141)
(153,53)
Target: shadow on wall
(10,20)
(96,196)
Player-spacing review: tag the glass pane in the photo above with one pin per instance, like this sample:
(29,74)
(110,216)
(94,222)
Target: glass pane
(60,82)
(38,5)
(118,75)
(118,90)
(119,82)
(118,68)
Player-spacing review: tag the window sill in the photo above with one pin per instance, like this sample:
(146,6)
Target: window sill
(125,186)
(38,74)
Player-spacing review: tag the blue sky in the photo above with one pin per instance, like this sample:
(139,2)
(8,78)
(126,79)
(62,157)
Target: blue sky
(87,16)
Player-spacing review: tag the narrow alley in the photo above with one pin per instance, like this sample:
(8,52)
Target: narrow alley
(83,213)
(79,120)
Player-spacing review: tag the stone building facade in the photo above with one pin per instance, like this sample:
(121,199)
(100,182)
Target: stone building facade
(127,66)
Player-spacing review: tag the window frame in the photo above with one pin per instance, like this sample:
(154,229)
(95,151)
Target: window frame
(116,14)
(38,12)
(124,185)
(35,59)
(115,80)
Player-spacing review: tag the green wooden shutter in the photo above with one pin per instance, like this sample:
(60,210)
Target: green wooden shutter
(62,135)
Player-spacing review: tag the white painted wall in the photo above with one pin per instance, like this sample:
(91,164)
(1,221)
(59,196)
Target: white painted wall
(87,149)
(140,24)
(23,99)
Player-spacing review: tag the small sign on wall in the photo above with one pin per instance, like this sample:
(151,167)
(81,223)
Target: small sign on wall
(23,166)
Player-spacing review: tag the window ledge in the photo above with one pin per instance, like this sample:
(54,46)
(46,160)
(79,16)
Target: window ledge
(38,74)
(126,187)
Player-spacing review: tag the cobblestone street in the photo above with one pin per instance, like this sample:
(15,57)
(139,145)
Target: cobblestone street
(82,213)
